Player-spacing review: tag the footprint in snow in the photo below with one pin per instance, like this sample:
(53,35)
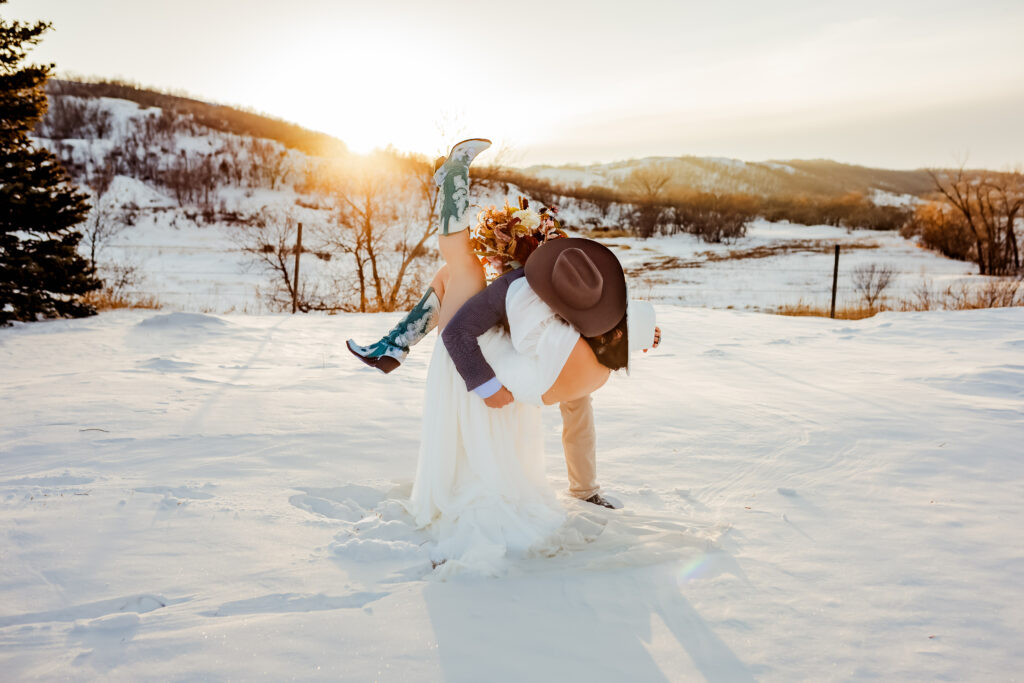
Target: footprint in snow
(280,603)
(185,492)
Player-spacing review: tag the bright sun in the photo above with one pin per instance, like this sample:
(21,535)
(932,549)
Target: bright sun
(371,94)
(364,92)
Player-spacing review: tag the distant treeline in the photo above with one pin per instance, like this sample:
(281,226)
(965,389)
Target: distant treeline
(713,216)
(215,116)
(788,178)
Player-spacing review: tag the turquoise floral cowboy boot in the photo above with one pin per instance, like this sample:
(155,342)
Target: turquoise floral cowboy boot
(453,179)
(388,353)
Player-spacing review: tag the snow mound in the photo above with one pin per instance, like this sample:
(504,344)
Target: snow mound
(183,322)
(125,190)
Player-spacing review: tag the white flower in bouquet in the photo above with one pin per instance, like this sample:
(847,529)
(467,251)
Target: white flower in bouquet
(527,218)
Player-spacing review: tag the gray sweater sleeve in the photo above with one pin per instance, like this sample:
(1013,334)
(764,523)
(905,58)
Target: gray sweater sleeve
(482,312)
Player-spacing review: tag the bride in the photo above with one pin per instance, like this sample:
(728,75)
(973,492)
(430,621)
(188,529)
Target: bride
(480,486)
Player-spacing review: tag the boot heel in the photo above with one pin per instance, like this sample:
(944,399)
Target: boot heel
(385,364)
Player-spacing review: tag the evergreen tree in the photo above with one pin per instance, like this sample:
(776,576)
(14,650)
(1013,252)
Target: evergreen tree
(41,272)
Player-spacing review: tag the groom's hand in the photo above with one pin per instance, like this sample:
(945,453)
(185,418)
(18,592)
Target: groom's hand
(499,399)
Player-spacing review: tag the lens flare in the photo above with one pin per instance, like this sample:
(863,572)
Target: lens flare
(697,568)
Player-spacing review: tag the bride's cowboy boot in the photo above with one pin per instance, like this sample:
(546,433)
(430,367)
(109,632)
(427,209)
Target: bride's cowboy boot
(453,179)
(390,351)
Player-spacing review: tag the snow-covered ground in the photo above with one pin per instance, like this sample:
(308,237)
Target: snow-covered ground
(683,269)
(193,497)
(202,269)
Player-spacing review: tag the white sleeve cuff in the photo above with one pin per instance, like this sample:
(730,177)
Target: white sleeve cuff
(488,388)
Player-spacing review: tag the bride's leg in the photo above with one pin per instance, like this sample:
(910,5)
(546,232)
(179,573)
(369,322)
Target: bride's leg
(465,272)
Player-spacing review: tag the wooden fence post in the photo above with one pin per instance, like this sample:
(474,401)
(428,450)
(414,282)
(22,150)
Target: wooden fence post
(295,280)
(835,281)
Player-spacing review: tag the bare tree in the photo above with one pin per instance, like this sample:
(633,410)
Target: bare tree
(270,242)
(104,221)
(647,185)
(384,208)
(871,281)
(503,155)
(450,127)
(649,182)
(74,117)
(270,163)
(990,204)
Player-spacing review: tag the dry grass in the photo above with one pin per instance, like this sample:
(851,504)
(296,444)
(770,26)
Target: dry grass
(994,293)
(605,233)
(109,300)
(845,313)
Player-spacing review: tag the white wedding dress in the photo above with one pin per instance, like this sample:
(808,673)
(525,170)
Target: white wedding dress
(480,486)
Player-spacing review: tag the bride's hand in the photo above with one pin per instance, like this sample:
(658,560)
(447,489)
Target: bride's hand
(499,399)
(657,338)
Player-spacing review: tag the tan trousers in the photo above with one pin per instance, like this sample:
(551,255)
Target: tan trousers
(579,441)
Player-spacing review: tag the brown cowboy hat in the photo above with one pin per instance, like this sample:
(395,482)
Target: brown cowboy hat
(582,281)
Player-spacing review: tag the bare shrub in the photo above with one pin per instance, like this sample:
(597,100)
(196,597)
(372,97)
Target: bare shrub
(105,300)
(871,281)
(924,298)
(997,293)
(119,281)
(599,198)
(942,228)
(712,216)
(994,292)
(270,241)
(118,278)
(648,218)
(851,210)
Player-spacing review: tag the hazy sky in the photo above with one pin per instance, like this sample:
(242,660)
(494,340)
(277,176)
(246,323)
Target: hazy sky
(897,84)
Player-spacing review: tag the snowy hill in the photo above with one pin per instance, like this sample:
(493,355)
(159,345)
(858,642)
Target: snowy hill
(206,497)
(767,178)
